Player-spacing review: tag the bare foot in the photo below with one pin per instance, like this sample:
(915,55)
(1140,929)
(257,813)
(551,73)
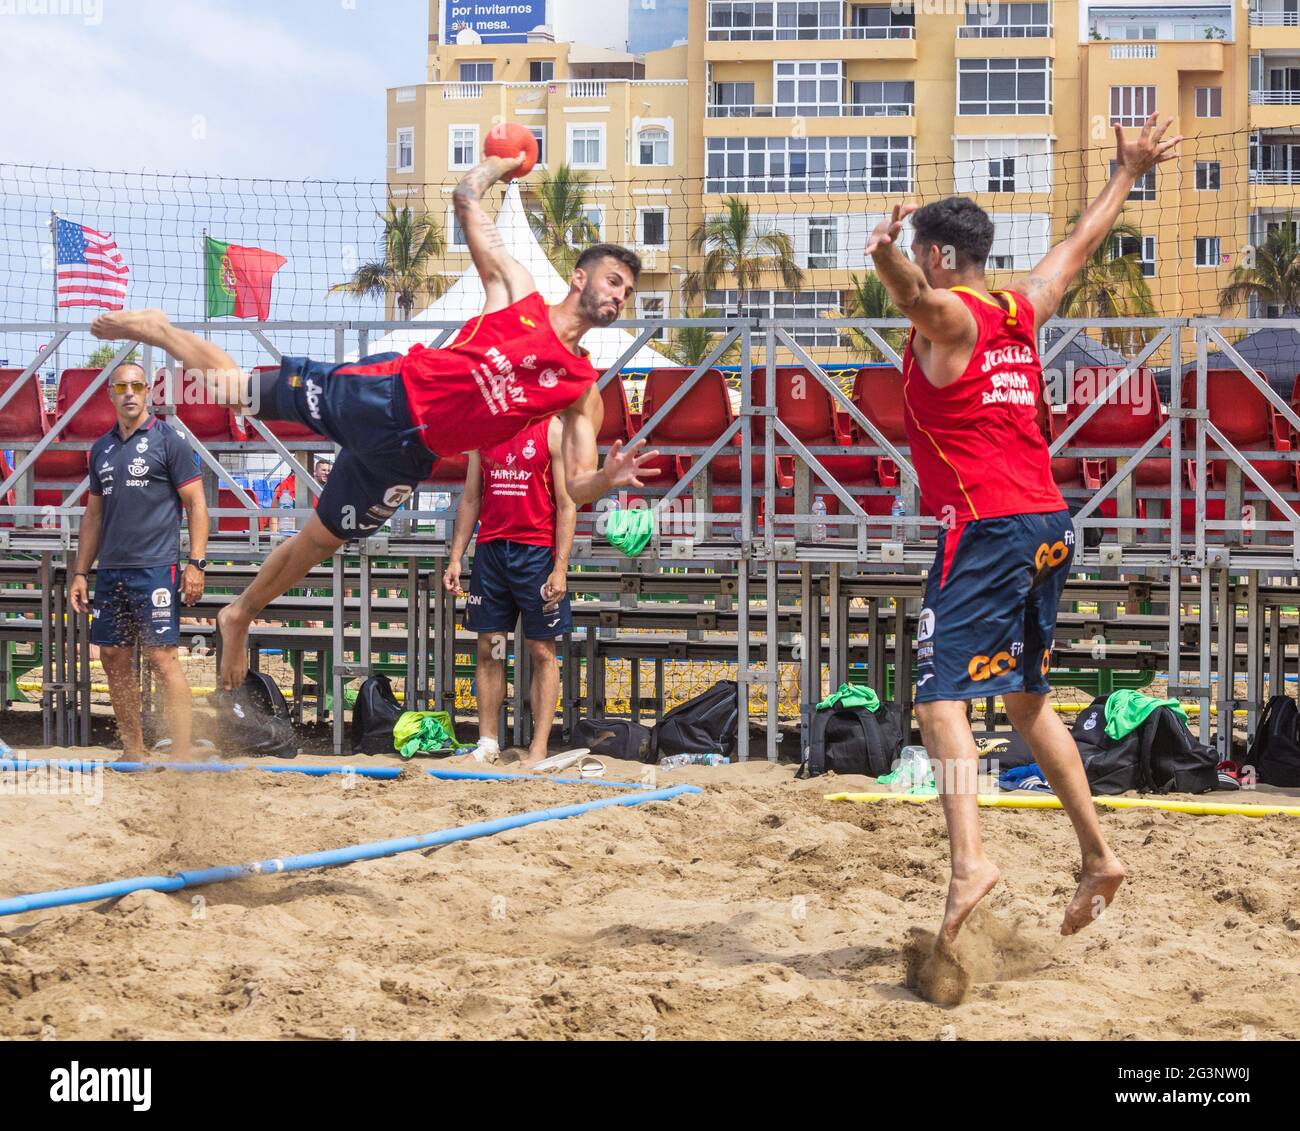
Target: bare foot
(1097,887)
(528,764)
(964,892)
(233,631)
(131,325)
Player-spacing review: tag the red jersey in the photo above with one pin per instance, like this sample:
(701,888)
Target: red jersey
(518,489)
(504,371)
(976,444)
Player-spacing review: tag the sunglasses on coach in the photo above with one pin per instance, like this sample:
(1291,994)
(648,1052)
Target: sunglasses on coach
(120,387)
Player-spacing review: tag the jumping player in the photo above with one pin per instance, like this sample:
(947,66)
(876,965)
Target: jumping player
(518,362)
(972,385)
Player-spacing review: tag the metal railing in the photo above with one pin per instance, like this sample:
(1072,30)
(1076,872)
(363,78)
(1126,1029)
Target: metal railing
(813,110)
(822,31)
(1274,19)
(1274,177)
(1274,97)
(1004,31)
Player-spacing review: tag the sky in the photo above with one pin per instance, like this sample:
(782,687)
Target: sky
(293,88)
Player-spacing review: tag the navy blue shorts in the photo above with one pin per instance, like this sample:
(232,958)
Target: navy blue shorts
(136,604)
(505,581)
(361,406)
(990,607)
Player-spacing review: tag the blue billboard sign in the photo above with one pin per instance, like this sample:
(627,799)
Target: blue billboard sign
(495,21)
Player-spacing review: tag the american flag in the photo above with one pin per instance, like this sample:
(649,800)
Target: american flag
(91,270)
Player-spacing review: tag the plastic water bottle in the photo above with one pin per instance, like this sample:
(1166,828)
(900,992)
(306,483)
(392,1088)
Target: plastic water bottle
(819,528)
(672,761)
(897,511)
(913,766)
(286,504)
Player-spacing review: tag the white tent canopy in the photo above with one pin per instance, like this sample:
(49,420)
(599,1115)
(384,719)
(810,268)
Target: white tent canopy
(465,298)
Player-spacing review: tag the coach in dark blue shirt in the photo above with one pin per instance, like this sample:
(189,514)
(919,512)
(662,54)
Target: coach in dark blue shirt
(141,473)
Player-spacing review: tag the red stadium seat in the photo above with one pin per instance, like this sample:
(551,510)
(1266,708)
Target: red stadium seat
(450,469)
(205,421)
(1247,420)
(281,429)
(878,395)
(698,419)
(24,419)
(61,466)
(806,407)
(619,422)
(1126,419)
(227,499)
(96,417)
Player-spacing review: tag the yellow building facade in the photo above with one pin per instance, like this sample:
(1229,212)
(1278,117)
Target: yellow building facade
(822,115)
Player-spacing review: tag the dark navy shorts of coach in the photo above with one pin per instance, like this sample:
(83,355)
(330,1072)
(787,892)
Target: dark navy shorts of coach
(136,604)
(361,406)
(990,607)
(506,581)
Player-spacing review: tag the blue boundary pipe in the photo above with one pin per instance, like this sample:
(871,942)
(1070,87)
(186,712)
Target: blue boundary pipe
(489,775)
(89,766)
(329,858)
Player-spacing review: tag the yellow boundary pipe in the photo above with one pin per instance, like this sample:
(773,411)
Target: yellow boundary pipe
(1199,808)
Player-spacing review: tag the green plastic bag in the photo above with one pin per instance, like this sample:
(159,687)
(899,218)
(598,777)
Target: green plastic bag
(423,732)
(851,695)
(630,531)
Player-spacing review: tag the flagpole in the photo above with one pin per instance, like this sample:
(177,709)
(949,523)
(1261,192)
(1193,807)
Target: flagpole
(54,245)
(203,259)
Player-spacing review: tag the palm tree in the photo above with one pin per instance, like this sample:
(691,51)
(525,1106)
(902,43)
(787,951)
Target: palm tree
(691,345)
(1272,276)
(868,298)
(413,241)
(558,217)
(732,244)
(1111,284)
(102,355)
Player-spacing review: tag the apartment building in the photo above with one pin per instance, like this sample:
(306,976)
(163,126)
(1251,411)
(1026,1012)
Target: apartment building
(821,114)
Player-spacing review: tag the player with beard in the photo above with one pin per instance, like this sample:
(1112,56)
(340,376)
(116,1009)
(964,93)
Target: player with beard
(393,415)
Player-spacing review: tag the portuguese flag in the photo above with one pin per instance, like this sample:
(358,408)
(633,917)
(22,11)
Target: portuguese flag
(239,279)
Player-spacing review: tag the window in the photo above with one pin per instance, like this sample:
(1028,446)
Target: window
(652,227)
(1144,188)
(812,164)
(1209,102)
(784,306)
(476,72)
(541,70)
(1020,239)
(1002,164)
(883,21)
(458,239)
(732,99)
(1144,248)
(594,214)
(1131,105)
(1001,263)
(874,99)
(1002,20)
(539,132)
(652,305)
(1207,251)
(1130,31)
(405,151)
(1004,86)
(587,147)
(774,19)
(1207,176)
(463,146)
(653,146)
(813,88)
(1002,175)
(823,242)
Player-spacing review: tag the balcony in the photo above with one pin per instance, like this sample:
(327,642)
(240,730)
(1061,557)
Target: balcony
(768,34)
(1004,31)
(1277,18)
(1274,97)
(573,89)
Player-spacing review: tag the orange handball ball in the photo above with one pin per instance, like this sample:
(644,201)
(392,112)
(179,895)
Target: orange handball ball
(509,139)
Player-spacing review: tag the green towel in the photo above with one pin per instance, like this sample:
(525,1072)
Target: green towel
(630,531)
(422,732)
(1127,710)
(851,695)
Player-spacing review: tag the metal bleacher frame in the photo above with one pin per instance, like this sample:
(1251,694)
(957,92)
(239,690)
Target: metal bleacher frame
(775,594)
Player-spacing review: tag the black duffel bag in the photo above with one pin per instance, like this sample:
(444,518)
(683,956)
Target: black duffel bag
(374,716)
(615,738)
(253,720)
(1160,756)
(707,724)
(1275,749)
(853,740)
